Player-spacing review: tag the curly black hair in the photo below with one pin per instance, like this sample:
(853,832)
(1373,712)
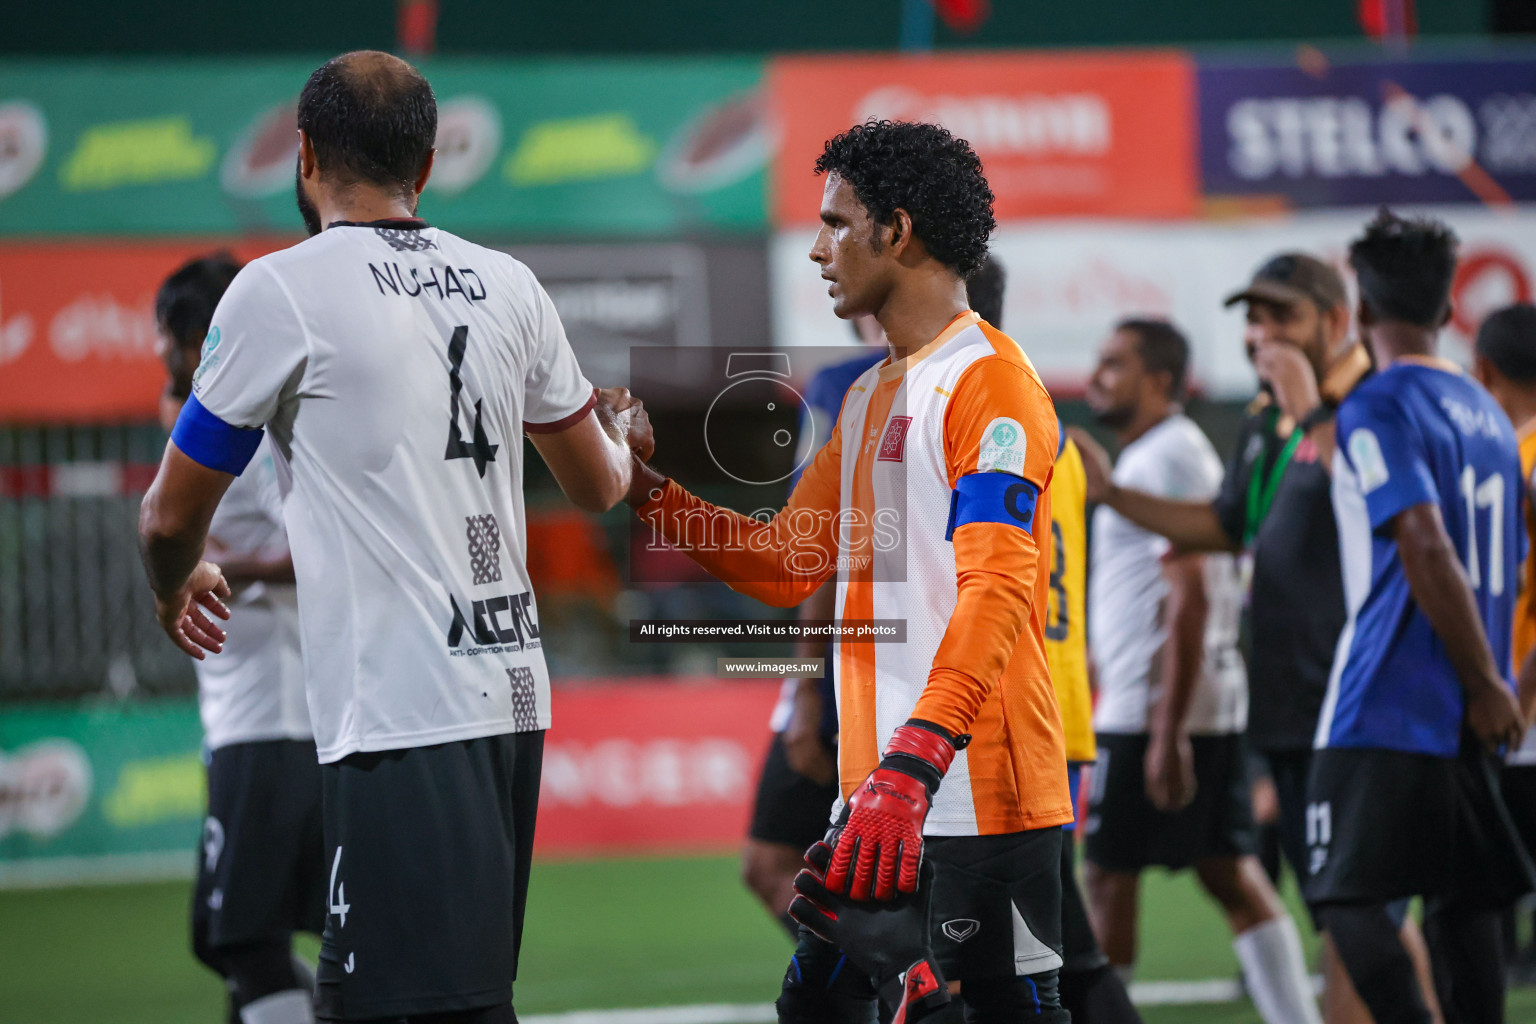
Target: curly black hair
(1404,267)
(923,169)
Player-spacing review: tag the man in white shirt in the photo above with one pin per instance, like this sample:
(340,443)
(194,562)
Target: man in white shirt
(1170,787)
(396,368)
(260,874)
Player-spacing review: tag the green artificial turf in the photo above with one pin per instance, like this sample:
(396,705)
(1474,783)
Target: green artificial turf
(601,933)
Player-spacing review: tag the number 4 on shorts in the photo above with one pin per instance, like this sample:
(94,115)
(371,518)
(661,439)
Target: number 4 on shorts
(336,892)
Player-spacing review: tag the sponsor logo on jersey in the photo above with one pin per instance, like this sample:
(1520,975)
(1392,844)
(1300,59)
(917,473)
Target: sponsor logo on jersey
(484,548)
(1365,453)
(1003,446)
(494,625)
(961,929)
(406,239)
(893,445)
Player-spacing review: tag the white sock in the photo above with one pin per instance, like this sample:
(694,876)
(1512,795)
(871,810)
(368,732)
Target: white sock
(1127,974)
(1276,972)
(292,1006)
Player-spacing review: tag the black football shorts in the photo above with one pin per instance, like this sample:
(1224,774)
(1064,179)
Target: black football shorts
(1383,825)
(790,809)
(427,855)
(996,903)
(260,871)
(1127,834)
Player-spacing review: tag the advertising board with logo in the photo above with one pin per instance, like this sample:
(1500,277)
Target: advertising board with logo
(658,766)
(630,765)
(90,792)
(77,328)
(78,339)
(1343,134)
(1069,282)
(1096,134)
(627,148)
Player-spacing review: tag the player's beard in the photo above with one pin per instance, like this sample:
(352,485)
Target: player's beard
(307,209)
(1116,416)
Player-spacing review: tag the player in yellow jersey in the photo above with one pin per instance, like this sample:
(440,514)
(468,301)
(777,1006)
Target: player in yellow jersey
(1090,989)
(1505,364)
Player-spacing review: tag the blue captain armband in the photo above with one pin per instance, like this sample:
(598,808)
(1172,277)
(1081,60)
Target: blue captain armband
(209,441)
(992,498)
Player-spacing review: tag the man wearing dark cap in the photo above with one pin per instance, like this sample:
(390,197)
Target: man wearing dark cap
(1275,504)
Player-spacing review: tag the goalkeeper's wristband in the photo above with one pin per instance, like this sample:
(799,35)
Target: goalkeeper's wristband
(923,750)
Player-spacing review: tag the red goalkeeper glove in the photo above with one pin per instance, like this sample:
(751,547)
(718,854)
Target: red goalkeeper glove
(879,849)
(889,942)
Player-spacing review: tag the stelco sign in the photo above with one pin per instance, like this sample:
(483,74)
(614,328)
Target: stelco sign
(1369,133)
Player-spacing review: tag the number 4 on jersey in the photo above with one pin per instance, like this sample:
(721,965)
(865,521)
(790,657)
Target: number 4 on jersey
(480,449)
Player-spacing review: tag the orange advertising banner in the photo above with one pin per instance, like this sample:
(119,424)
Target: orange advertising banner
(77,327)
(1082,134)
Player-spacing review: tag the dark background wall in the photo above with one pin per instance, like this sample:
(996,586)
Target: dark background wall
(741,26)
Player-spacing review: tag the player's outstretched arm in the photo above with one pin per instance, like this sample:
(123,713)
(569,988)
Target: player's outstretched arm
(1190,525)
(780,562)
(1440,586)
(591,459)
(173,527)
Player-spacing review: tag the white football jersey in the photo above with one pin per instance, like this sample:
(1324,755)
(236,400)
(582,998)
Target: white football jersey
(396,368)
(254,689)
(1127,591)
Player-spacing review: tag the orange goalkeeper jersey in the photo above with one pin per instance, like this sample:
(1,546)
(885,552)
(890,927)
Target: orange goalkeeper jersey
(930,503)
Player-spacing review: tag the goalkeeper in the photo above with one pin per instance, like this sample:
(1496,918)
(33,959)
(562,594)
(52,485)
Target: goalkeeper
(951,748)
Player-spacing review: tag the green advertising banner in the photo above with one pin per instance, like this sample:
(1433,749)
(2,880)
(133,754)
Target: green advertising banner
(533,148)
(97,792)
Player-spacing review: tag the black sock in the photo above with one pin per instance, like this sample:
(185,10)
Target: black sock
(1468,955)
(1097,996)
(1373,954)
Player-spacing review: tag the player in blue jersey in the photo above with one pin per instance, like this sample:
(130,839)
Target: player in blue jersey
(1402,800)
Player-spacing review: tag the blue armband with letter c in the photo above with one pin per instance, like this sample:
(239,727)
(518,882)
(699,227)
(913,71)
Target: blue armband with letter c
(992,498)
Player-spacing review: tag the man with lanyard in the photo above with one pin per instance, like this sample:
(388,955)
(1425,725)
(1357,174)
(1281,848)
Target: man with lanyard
(1275,506)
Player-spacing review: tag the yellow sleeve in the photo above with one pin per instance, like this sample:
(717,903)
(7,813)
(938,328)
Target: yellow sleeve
(1066,633)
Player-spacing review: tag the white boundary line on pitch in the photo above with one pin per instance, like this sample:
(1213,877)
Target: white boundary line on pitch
(1143,993)
(109,869)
